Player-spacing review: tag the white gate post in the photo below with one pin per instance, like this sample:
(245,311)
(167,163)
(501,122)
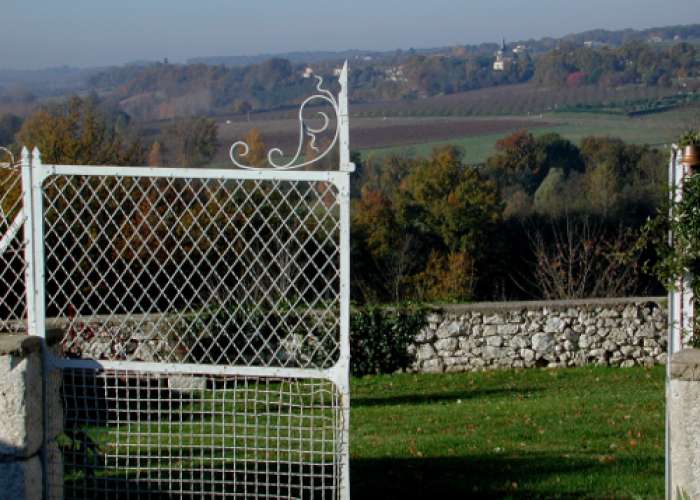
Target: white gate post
(37,214)
(344,361)
(28,235)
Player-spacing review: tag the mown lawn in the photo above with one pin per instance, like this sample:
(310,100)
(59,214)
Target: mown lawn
(569,433)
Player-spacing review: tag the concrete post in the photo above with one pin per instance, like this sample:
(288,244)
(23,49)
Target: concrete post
(22,409)
(684,425)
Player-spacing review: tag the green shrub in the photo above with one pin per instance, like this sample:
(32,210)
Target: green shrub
(682,256)
(379,338)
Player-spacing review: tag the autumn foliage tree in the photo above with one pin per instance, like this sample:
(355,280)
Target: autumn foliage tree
(191,142)
(78,132)
(426,240)
(257,152)
(525,160)
(155,157)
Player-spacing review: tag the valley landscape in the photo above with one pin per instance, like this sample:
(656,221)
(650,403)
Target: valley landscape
(467,301)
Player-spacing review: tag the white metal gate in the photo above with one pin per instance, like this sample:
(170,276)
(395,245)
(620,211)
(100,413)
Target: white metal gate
(205,318)
(13,241)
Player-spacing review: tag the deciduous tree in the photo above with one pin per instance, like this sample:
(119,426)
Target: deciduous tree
(192,141)
(76,132)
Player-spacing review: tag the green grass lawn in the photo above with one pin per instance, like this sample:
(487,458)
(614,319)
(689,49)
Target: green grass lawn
(569,433)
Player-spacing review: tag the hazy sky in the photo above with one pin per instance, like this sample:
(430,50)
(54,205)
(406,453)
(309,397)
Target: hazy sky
(41,33)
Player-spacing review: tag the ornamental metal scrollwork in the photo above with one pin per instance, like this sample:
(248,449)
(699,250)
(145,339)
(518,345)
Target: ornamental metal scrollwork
(240,149)
(9,228)
(12,163)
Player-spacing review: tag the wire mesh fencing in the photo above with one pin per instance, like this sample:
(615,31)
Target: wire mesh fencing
(182,301)
(13,304)
(131,434)
(202,271)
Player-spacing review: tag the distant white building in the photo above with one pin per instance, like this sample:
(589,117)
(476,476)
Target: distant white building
(308,72)
(395,74)
(520,49)
(594,44)
(502,60)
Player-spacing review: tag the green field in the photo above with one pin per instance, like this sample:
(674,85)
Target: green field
(569,433)
(655,129)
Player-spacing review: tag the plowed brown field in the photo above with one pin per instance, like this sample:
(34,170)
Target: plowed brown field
(370,133)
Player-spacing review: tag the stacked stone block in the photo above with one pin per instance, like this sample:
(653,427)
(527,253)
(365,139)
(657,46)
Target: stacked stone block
(610,332)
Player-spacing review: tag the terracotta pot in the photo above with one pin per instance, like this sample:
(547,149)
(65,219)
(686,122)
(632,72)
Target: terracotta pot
(691,156)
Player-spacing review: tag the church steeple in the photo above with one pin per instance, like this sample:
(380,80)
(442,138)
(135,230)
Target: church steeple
(502,60)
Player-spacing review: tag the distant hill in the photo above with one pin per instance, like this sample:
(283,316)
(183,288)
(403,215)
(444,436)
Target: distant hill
(293,57)
(165,91)
(224,85)
(49,81)
(614,38)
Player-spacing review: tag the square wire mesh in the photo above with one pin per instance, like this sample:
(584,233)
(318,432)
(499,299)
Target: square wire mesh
(144,435)
(202,271)
(13,264)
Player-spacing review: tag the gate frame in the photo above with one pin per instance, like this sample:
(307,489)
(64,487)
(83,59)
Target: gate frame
(34,172)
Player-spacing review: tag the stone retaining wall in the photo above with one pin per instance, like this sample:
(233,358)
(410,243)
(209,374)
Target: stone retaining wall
(617,332)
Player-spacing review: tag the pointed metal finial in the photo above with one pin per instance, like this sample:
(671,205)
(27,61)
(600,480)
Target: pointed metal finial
(36,155)
(345,164)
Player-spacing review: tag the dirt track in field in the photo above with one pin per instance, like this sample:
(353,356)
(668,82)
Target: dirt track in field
(370,133)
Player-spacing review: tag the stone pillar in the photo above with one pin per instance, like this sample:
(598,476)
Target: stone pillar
(22,452)
(684,425)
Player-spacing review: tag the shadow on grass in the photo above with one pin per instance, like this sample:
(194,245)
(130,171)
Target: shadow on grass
(228,480)
(487,476)
(442,396)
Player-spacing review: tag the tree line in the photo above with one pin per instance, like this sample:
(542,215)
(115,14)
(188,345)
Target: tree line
(88,131)
(633,63)
(542,217)
(163,91)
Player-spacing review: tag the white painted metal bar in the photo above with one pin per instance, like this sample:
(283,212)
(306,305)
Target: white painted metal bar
(197,369)
(191,173)
(673,314)
(12,231)
(343,379)
(344,126)
(28,234)
(674,296)
(39,295)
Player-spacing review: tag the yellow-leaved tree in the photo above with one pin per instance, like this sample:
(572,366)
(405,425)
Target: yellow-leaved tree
(77,132)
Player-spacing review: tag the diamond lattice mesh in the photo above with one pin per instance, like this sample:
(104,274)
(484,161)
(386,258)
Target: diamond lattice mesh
(205,271)
(12,260)
(131,434)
